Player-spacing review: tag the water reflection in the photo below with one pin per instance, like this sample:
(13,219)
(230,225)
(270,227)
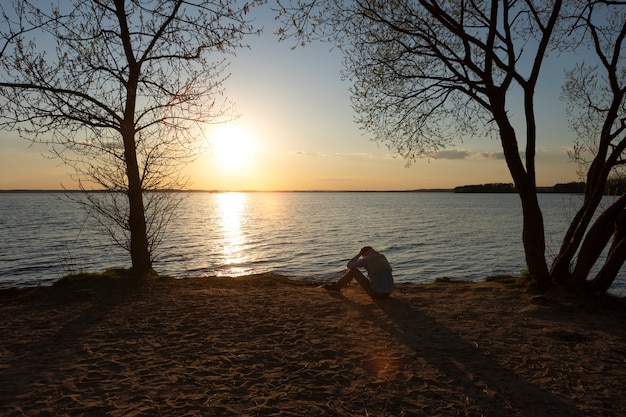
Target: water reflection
(231,207)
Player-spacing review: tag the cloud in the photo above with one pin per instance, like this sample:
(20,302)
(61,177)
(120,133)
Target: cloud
(545,153)
(452,154)
(445,154)
(310,154)
(488,155)
(336,155)
(466,154)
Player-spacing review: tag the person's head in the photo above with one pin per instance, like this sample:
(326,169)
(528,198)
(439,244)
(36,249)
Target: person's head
(365,250)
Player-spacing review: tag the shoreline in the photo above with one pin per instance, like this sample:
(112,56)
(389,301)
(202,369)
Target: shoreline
(267,345)
(540,190)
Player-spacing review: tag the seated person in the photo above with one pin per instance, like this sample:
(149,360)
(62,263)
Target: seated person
(380,282)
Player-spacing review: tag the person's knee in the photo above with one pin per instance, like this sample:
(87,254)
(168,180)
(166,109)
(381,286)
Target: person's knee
(357,271)
(354,272)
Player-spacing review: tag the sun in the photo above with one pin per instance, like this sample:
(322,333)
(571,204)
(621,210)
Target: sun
(232,146)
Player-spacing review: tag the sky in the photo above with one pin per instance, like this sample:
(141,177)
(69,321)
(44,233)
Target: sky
(297,132)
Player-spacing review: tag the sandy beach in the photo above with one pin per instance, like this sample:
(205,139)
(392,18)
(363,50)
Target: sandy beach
(269,346)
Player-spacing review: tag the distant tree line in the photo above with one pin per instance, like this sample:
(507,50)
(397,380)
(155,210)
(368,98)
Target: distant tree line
(570,188)
(616,185)
(486,188)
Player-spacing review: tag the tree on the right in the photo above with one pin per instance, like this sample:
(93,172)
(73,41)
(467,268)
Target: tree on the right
(427,73)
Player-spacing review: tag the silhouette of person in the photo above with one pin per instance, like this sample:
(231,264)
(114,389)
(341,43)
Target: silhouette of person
(378,283)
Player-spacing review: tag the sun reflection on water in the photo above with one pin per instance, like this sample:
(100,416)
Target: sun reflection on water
(231,207)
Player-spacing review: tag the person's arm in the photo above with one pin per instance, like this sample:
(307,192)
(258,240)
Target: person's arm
(357,262)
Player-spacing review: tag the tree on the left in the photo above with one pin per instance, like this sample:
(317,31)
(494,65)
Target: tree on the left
(120,91)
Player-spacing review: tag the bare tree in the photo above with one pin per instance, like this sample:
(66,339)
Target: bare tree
(120,91)
(426,73)
(596,105)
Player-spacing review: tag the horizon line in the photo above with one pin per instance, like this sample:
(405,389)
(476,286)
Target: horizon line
(413,190)
(41,190)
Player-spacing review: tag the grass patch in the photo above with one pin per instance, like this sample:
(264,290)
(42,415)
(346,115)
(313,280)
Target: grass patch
(121,276)
(523,279)
(505,279)
(88,277)
(446,280)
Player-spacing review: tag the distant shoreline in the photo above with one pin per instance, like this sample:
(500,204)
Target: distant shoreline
(573,188)
(429,190)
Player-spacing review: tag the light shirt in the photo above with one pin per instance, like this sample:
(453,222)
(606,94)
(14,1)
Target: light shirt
(378,270)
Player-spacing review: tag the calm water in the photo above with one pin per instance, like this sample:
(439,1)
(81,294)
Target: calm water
(302,235)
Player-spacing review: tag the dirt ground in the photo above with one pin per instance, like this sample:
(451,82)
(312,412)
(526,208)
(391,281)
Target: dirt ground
(265,345)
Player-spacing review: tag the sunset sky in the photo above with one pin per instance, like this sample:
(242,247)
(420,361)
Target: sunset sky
(298,130)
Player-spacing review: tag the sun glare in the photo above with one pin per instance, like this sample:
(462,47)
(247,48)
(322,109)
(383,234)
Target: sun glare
(231,207)
(233,146)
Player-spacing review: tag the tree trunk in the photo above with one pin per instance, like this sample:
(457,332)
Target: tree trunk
(596,180)
(533,237)
(601,283)
(595,241)
(139,248)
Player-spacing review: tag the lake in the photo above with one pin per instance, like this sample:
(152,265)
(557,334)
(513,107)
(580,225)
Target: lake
(304,235)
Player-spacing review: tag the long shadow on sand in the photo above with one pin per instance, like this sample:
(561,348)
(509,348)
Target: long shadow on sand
(35,364)
(486,387)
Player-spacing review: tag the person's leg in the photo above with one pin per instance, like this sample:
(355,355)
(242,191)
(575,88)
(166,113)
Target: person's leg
(363,281)
(352,273)
(356,274)
(365,284)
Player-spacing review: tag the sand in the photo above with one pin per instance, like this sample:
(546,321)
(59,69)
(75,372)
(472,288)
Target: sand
(265,345)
